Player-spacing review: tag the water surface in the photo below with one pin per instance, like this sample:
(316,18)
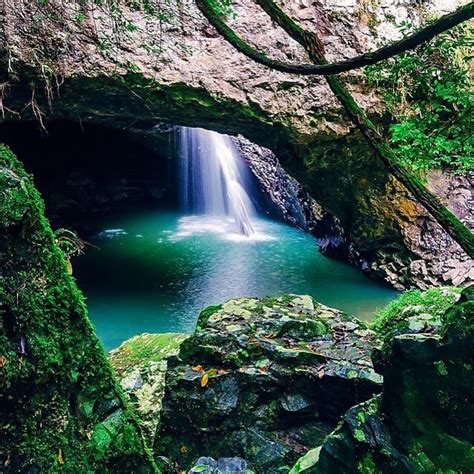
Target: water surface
(154,271)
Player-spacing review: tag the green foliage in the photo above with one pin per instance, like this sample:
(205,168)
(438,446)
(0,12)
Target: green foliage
(435,302)
(428,92)
(441,368)
(306,462)
(80,18)
(367,465)
(223,7)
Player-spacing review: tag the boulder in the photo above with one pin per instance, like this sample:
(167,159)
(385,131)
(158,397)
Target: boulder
(422,421)
(140,365)
(265,380)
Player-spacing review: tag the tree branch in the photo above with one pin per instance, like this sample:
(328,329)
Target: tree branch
(313,46)
(444,23)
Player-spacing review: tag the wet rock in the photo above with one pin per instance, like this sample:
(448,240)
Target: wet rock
(140,364)
(205,465)
(294,402)
(422,421)
(264,379)
(208,465)
(231,466)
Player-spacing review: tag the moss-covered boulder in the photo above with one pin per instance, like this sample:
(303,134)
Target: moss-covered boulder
(264,379)
(60,407)
(423,421)
(140,365)
(415,312)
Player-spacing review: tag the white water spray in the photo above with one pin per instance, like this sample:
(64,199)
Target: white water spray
(213,178)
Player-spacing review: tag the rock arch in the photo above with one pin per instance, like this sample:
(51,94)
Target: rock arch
(60,68)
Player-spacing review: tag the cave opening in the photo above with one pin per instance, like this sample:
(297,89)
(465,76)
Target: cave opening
(149,265)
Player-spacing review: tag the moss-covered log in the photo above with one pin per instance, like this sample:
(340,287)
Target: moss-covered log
(61,408)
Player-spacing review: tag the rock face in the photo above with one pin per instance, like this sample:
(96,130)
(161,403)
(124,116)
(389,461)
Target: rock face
(264,380)
(61,409)
(422,422)
(188,75)
(292,203)
(437,258)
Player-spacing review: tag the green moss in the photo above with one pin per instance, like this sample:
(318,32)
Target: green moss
(145,348)
(367,465)
(205,314)
(459,319)
(56,386)
(441,368)
(352,374)
(359,435)
(435,302)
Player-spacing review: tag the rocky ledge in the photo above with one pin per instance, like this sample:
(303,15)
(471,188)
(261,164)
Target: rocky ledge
(288,384)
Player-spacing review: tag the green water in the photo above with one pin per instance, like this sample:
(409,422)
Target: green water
(154,272)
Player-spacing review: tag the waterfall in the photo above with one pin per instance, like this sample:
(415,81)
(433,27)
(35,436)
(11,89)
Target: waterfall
(213,177)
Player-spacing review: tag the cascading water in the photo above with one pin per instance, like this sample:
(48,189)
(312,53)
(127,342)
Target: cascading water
(213,178)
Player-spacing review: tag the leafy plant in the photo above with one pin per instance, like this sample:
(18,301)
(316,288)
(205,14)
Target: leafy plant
(224,8)
(69,242)
(429,94)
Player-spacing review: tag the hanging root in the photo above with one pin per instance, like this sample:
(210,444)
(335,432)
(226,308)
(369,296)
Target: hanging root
(37,112)
(3,108)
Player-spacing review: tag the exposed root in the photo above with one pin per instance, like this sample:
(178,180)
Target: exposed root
(37,112)
(3,108)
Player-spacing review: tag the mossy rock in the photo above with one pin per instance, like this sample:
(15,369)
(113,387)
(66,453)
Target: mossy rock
(61,407)
(145,348)
(422,422)
(415,311)
(264,379)
(140,364)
